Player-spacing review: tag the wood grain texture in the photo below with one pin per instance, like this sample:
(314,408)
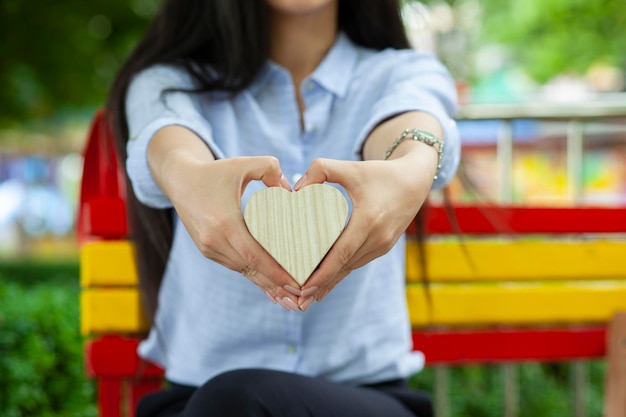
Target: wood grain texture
(297,228)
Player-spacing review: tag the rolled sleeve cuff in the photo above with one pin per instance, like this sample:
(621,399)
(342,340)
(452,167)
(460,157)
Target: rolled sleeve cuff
(144,186)
(452,148)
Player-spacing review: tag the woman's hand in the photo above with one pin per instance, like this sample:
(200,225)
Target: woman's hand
(207,197)
(386,196)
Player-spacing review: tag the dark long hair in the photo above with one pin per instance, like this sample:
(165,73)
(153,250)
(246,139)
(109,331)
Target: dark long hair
(231,37)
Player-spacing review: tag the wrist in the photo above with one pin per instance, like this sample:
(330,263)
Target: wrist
(419,140)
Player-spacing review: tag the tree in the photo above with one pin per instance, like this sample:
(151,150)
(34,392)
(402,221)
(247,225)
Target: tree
(62,55)
(547,38)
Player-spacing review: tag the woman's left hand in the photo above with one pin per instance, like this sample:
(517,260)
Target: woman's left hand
(386,196)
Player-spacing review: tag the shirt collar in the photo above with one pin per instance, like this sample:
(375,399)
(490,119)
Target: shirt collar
(336,69)
(333,73)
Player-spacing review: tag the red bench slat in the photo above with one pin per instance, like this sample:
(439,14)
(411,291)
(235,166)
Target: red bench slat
(102,186)
(477,219)
(511,345)
(116,356)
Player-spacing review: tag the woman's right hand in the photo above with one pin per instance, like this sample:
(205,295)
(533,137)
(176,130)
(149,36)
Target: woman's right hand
(206,194)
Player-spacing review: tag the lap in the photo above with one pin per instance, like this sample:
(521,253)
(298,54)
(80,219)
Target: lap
(256,392)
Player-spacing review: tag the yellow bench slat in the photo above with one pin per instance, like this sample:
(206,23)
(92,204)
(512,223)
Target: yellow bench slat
(110,263)
(111,310)
(521,260)
(517,303)
(118,310)
(107,263)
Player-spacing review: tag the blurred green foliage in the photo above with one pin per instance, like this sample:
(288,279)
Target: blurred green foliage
(544,389)
(547,38)
(63,55)
(41,367)
(30,272)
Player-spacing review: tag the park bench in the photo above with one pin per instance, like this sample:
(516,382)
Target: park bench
(507,284)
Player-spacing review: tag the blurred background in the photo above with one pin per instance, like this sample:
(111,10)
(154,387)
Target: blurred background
(546,78)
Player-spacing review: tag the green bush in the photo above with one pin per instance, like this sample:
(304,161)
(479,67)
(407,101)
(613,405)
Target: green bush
(31,271)
(41,366)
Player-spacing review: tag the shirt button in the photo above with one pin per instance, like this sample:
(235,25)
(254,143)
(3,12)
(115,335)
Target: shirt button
(309,86)
(315,128)
(295,178)
(291,349)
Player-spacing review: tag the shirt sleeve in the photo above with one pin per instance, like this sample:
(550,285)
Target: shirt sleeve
(147,111)
(419,82)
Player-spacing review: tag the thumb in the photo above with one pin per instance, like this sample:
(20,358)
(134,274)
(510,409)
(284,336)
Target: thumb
(325,170)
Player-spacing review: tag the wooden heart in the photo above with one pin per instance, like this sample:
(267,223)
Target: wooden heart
(297,228)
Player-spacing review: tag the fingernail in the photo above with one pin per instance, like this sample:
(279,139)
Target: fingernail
(282,303)
(292,304)
(270,297)
(307,302)
(285,183)
(287,303)
(309,291)
(292,290)
(299,183)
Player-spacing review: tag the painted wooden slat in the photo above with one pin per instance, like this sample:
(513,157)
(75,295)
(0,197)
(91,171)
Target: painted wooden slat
(110,397)
(547,344)
(516,303)
(118,310)
(137,389)
(107,263)
(116,356)
(486,219)
(104,217)
(112,310)
(111,262)
(615,387)
(102,173)
(113,356)
(519,260)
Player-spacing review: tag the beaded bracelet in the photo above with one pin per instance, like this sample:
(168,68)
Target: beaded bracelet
(420,136)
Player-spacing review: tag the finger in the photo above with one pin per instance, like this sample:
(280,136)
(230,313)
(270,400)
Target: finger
(377,244)
(274,292)
(236,249)
(266,169)
(325,170)
(322,292)
(338,262)
(254,259)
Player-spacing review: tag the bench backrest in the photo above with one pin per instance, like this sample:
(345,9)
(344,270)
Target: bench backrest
(517,283)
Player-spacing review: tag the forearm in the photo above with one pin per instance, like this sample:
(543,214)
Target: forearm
(170,149)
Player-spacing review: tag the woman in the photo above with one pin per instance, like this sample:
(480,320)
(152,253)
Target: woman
(223,98)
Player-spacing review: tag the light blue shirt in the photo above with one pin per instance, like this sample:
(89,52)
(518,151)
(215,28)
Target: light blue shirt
(211,319)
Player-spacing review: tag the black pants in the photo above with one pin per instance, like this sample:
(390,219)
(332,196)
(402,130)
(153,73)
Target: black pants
(265,393)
